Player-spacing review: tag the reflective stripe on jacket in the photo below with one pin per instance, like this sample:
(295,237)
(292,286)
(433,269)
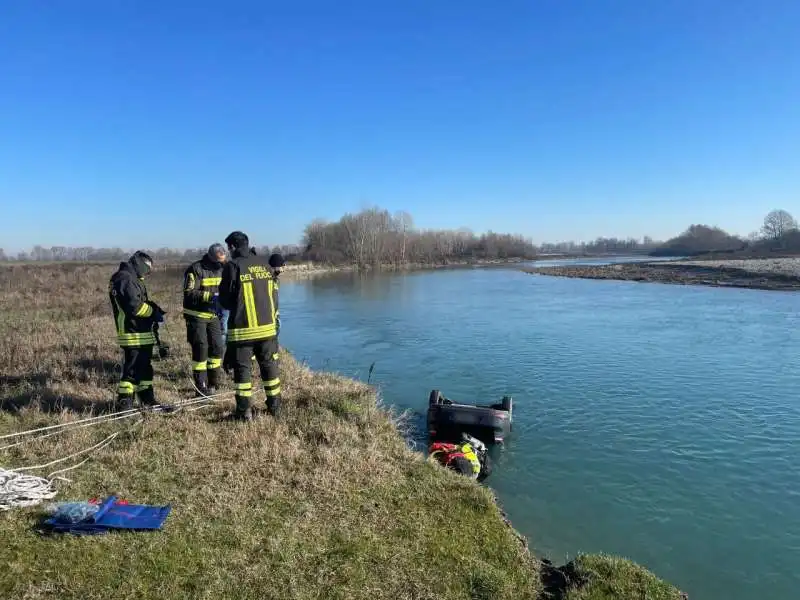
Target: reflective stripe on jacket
(249,291)
(132,311)
(200,282)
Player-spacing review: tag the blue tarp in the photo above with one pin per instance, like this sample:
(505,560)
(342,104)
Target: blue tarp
(113,515)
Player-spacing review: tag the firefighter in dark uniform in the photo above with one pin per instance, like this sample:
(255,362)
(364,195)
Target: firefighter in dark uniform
(137,319)
(249,292)
(202,314)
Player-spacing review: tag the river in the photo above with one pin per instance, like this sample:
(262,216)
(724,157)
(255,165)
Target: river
(656,422)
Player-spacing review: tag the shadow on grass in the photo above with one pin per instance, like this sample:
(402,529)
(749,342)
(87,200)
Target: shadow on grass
(14,381)
(557,581)
(48,401)
(107,368)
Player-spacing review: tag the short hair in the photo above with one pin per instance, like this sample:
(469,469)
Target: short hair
(217,248)
(237,239)
(276,261)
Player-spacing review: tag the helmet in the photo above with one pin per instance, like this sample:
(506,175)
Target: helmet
(237,239)
(276,261)
(142,263)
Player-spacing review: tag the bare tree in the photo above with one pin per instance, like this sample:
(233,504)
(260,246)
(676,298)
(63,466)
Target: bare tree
(777,224)
(404,223)
(356,228)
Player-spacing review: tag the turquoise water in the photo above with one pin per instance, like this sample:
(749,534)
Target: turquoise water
(651,421)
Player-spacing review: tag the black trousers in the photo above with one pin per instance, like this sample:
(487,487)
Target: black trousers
(137,374)
(240,355)
(205,338)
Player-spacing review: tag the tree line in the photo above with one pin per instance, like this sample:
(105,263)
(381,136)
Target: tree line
(89,254)
(376,237)
(778,233)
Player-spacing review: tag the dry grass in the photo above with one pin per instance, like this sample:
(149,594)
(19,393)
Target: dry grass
(327,502)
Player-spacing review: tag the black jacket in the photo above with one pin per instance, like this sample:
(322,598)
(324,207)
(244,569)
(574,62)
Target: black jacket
(249,291)
(134,314)
(200,282)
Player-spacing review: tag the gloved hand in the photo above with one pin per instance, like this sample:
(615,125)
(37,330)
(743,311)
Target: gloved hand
(158,313)
(216,307)
(278,325)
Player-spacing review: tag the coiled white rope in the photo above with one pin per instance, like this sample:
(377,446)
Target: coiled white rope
(19,490)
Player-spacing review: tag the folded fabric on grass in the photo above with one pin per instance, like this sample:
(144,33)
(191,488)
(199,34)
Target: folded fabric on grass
(111,515)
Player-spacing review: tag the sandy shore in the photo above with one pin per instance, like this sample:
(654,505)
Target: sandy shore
(779,274)
(774,266)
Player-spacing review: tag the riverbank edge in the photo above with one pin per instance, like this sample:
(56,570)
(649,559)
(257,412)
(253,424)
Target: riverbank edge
(675,272)
(580,579)
(337,482)
(310,269)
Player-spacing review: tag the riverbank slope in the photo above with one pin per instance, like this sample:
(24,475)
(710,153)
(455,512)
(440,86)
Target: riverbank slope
(779,274)
(327,502)
(304,270)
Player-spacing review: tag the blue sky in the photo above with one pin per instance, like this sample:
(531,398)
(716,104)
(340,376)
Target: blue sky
(139,123)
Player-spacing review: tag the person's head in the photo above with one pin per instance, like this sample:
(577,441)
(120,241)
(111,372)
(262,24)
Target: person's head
(237,241)
(142,263)
(277,263)
(217,253)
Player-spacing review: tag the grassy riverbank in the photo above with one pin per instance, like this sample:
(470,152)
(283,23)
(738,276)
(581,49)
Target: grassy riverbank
(328,502)
(770,274)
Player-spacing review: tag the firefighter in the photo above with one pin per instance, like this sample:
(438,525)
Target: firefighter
(249,292)
(137,318)
(276,263)
(202,314)
(468,457)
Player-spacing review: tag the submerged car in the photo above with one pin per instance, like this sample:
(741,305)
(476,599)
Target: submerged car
(449,420)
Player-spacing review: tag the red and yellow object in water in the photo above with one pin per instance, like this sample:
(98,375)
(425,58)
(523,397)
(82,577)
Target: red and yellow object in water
(462,457)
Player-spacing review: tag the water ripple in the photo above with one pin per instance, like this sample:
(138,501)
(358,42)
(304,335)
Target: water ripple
(657,422)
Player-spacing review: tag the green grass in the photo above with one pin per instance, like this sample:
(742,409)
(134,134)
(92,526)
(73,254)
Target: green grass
(328,502)
(610,577)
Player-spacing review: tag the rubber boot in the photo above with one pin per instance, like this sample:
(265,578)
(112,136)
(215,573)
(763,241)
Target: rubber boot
(124,402)
(213,381)
(274,405)
(147,397)
(200,382)
(148,400)
(243,411)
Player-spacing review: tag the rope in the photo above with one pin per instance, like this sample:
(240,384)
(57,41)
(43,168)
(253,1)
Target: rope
(69,424)
(20,490)
(97,446)
(107,418)
(188,373)
(41,437)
